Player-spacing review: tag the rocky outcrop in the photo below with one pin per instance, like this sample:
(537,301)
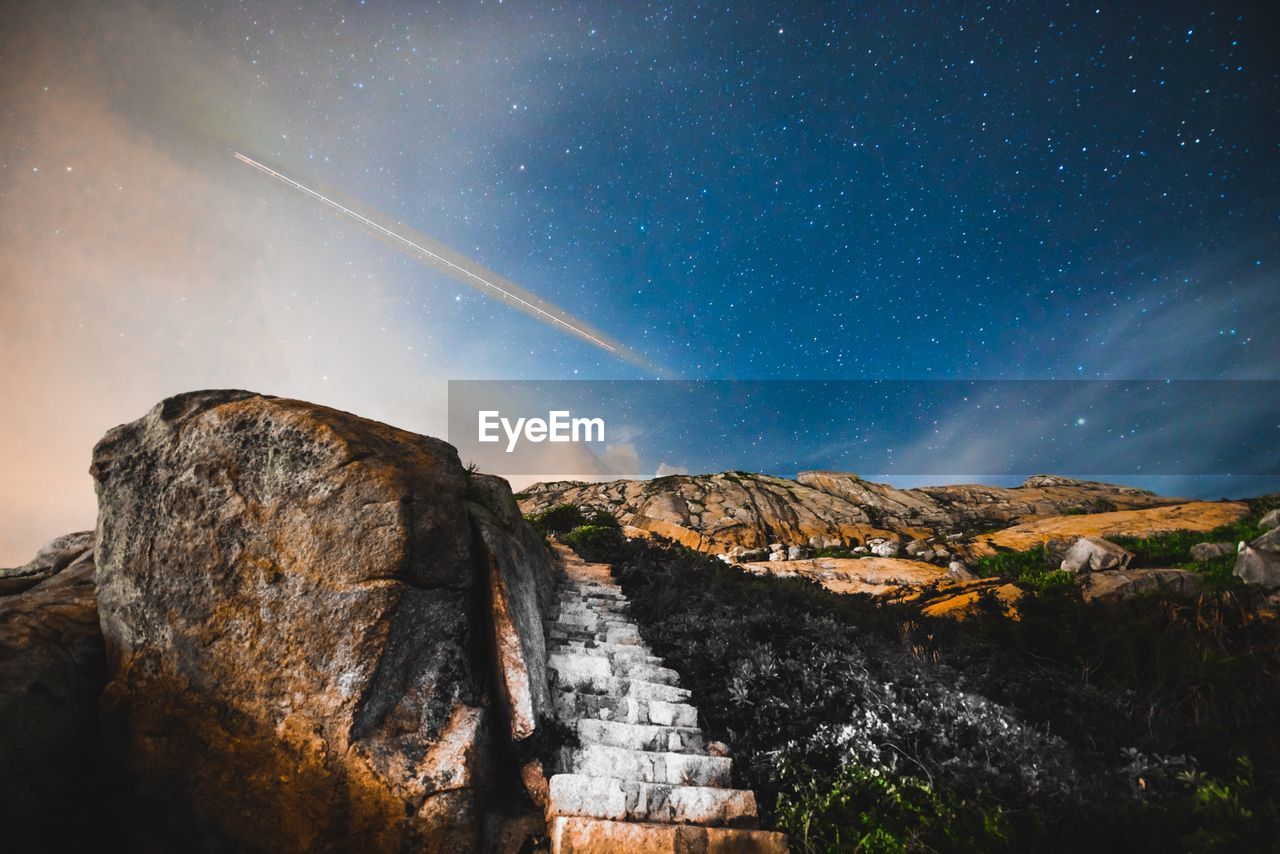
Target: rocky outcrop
(1183,516)
(53,557)
(715,513)
(295,602)
(873,575)
(51,674)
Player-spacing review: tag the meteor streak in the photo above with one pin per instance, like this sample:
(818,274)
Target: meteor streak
(461,268)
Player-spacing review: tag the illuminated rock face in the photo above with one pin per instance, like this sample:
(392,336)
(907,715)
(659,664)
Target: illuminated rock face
(717,513)
(292,603)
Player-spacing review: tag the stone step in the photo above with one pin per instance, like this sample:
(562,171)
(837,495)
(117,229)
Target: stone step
(572,705)
(612,650)
(621,686)
(652,737)
(577,669)
(633,800)
(591,594)
(577,606)
(650,766)
(556,632)
(578,835)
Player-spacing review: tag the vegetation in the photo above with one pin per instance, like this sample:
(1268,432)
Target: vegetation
(1035,569)
(565,517)
(1149,724)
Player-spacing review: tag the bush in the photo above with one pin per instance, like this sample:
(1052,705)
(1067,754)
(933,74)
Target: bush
(565,517)
(866,725)
(1028,568)
(596,543)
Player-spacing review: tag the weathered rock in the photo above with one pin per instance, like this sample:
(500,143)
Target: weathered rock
(885,548)
(1209,551)
(53,557)
(51,674)
(521,575)
(1117,584)
(958,571)
(1270,520)
(1181,516)
(797,553)
(1093,554)
(287,594)
(917,547)
(1055,550)
(1259,561)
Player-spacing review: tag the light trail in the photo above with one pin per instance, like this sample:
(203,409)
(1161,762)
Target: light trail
(467,275)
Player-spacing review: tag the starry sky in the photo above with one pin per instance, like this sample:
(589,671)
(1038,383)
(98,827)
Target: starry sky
(735,191)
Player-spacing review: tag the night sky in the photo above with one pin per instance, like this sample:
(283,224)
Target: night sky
(736,191)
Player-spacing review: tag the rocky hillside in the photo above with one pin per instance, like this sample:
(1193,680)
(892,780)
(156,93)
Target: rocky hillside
(716,513)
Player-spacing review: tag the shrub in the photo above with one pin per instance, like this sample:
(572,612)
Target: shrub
(556,520)
(596,543)
(866,725)
(1028,568)
(565,517)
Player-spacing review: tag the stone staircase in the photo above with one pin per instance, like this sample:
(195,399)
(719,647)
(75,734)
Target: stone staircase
(643,779)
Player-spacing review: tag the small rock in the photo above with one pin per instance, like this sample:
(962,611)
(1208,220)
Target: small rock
(859,550)
(1208,551)
(959,571)
(915,547)
(717,748)
(885,548)
(797,553)
(1094,554)
(1269,521)
(777,556)
(752,555)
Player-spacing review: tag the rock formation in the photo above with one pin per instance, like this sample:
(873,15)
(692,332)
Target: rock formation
(299,628)
(51,674)
(716,513)
(52,558)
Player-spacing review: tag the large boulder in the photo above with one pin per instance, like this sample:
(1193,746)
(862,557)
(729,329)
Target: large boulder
(1094,554)
(53,557)
(293,629)
(51,674)
(1270,520)
(1259,561)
